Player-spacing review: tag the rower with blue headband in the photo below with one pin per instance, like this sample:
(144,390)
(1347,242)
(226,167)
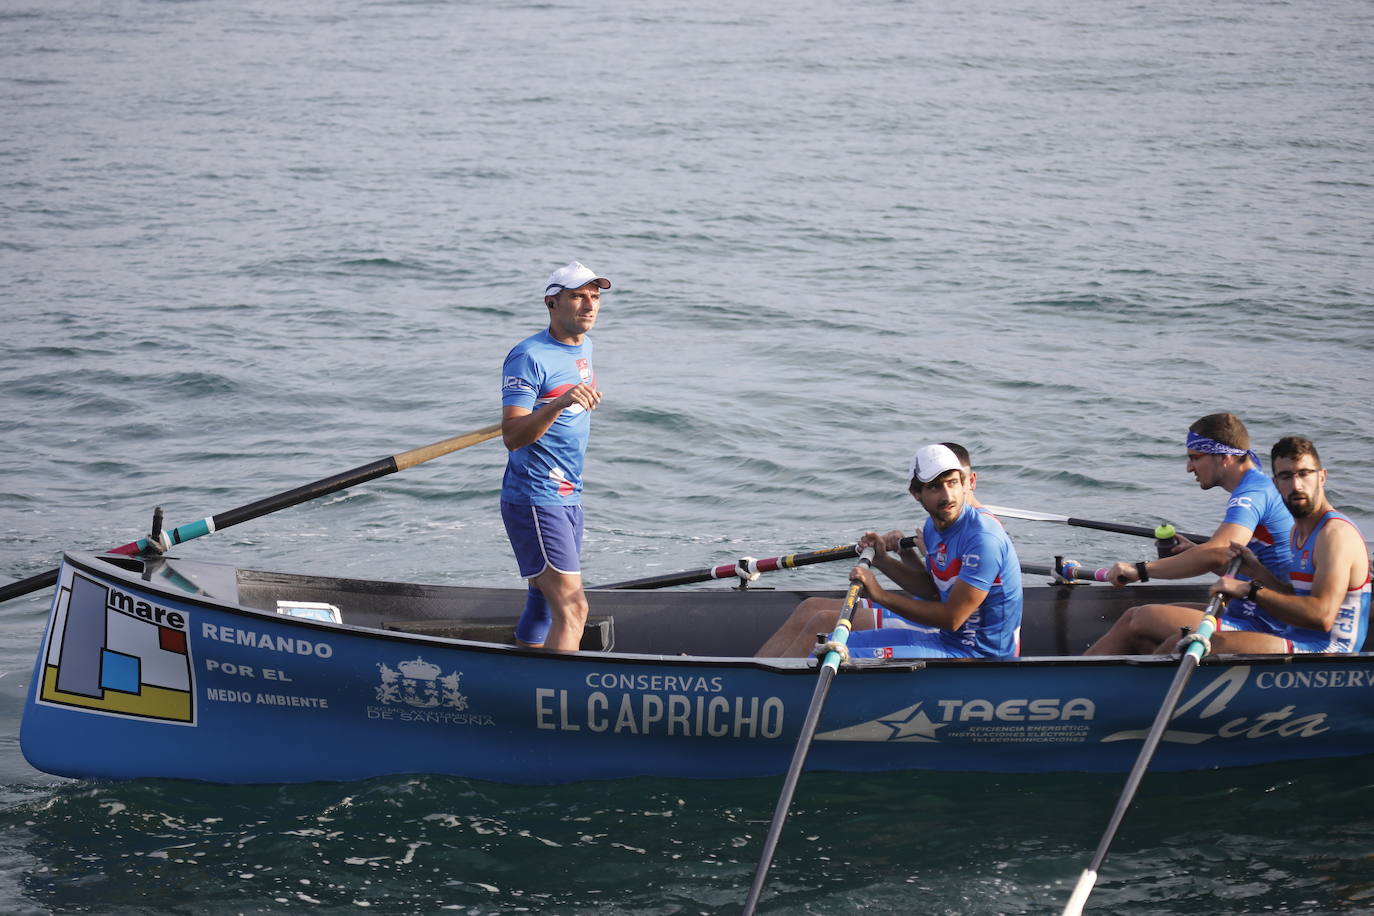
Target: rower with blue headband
(1219,455)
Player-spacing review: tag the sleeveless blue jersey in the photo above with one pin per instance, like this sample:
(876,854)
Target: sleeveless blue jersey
(1257,505)
(976,548)
(1352,620)
(548,471)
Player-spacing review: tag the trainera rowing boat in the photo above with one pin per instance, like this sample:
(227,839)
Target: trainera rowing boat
(167,667)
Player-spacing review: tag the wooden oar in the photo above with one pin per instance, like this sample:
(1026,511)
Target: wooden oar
(1192,655)
(361,474)
(829,665)
(1163,531)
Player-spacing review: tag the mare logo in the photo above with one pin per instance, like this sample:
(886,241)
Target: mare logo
(418,683)
(113,653)
(1217,696)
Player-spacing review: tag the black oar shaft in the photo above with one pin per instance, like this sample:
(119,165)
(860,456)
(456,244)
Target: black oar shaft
(31,584)
(829,666)
(1136,530)
(323,487)
(332,484)
(789,786)
(1186,666)
(727,570)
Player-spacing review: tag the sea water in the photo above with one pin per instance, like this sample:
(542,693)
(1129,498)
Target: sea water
(245,246)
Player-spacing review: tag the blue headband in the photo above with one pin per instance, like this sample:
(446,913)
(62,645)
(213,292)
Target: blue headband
(1197,443)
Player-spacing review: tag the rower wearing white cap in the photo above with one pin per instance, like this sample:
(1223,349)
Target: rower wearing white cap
(548,391)
(962,600)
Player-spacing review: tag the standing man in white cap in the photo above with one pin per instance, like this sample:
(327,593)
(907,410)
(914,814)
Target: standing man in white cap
(548,390)
(962,600)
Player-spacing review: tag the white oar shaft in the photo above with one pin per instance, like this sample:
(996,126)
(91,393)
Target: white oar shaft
(1027,514)
(1080,893)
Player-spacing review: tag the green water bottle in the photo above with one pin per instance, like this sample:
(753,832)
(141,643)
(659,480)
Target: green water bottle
(1166,538)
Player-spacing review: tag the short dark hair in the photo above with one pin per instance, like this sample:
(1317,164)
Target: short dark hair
(959,452)
(1225,428)
(916,485)
(1293,448)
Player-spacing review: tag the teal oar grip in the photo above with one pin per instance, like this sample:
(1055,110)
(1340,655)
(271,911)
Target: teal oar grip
(840,637)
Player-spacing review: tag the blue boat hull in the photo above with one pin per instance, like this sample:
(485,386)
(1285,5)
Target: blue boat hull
(140,678)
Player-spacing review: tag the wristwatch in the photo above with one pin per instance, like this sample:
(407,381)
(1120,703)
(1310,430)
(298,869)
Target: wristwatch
(1142,571)
(1255,589)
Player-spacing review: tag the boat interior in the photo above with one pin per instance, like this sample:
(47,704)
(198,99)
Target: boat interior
(718,619)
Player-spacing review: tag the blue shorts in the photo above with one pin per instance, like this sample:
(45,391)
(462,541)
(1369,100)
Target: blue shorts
(886,619)
(903,643)
(1241,617)
(544,537)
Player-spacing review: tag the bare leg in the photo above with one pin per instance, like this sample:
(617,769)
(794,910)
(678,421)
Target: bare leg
(796,638)
(1239,641)
(1141,630)
(567,604)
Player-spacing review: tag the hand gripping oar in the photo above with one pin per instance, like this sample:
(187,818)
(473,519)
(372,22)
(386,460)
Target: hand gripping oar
(1162,532)
(361,474)
(829,665)
(1197,646)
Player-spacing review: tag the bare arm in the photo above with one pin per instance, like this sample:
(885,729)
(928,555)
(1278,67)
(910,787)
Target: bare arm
(520,426)
(949,614)
(1340,562)
(1209,556)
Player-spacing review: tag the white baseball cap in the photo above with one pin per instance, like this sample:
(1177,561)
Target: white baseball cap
(573,275)
(930,461)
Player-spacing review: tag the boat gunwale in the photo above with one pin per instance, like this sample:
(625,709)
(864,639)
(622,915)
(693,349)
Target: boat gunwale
(112,565)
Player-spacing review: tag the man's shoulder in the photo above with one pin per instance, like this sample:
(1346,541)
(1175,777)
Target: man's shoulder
(985,533)
(1344,529)
(534,341)
(986,525)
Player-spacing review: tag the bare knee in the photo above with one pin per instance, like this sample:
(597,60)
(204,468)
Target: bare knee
(810,607)
(823,621)
(564,594)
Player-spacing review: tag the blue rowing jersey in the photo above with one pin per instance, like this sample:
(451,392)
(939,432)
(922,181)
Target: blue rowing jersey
(1257,505)
(977,549)
(548,471)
